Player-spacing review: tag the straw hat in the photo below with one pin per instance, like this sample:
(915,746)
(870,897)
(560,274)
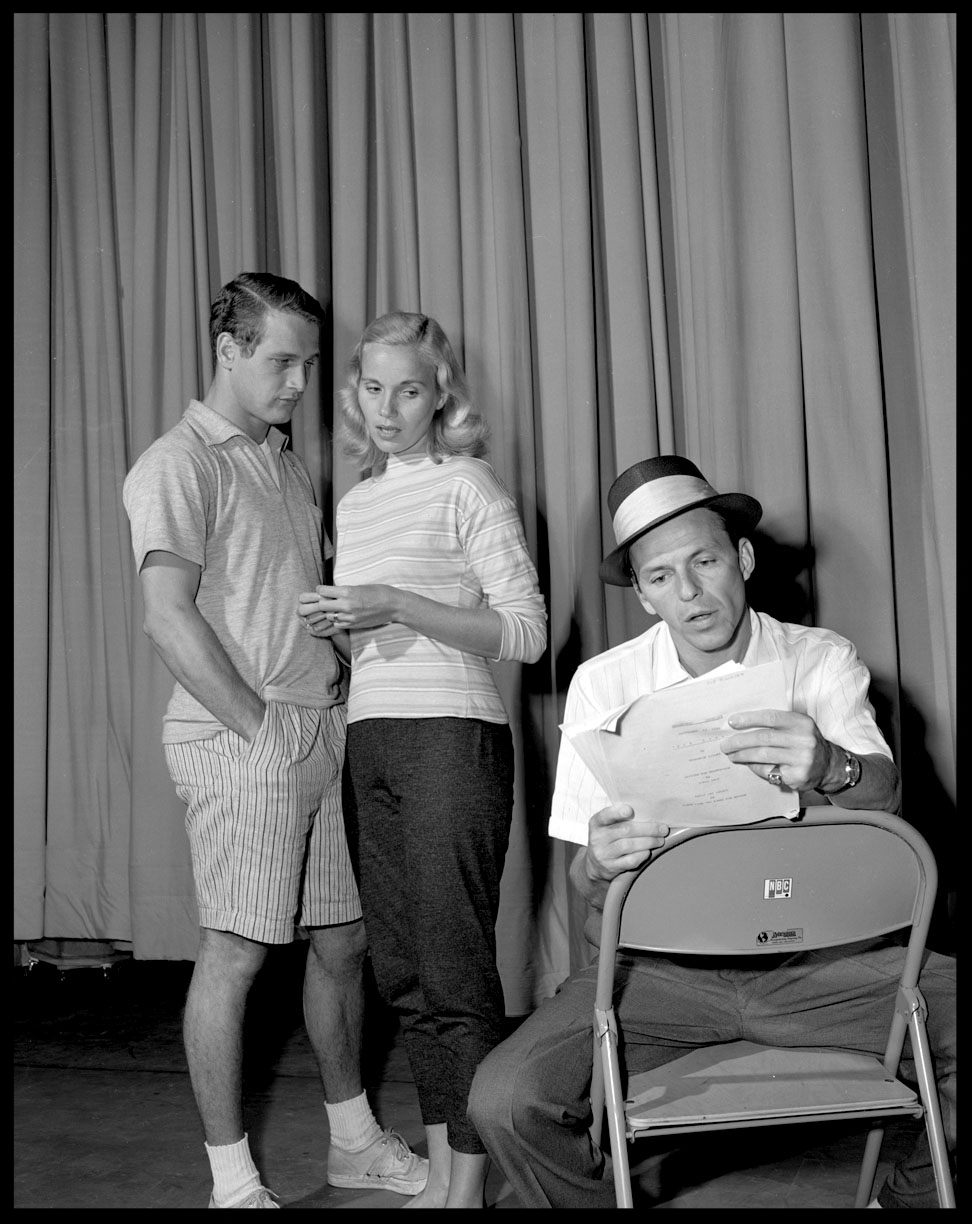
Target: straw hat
(656,490)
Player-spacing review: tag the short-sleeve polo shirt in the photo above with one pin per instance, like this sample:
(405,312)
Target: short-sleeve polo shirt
(205,492)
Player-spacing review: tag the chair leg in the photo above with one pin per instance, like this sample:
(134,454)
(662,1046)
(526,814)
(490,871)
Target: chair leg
(928,1091)
(597,1093)
(616,1124)
(872,1150)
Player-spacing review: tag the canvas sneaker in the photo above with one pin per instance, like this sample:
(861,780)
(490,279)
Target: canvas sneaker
(260,1197)
(387,1164)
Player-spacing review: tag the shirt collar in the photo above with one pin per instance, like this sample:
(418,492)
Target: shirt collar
(668,666)
(759,643)
(398,465)
(215,429)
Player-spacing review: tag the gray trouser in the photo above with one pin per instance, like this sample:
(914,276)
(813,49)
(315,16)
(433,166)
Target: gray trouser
(428,825)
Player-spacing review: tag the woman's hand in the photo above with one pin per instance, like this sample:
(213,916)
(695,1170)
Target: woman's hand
(476,630)
(353,607)
(317,623)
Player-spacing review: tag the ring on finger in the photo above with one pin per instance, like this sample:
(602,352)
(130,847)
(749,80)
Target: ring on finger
(774,776)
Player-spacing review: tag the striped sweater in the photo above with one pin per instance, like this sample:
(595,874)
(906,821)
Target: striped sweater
(450,532)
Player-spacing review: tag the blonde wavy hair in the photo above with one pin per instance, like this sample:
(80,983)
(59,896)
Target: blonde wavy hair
(456,429)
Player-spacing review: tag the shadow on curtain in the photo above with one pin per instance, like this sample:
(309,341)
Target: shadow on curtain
(728,235)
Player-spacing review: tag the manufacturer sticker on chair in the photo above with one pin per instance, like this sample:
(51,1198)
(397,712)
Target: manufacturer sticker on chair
(777,890)
(792,935)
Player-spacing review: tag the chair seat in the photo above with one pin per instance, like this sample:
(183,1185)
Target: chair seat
(741,1082)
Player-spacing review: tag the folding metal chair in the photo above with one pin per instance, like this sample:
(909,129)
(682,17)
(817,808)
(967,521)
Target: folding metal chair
(833,876)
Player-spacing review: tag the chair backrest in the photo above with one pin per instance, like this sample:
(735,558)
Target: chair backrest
(833,876)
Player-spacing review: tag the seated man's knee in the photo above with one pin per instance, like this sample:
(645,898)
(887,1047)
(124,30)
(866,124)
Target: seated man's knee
(489,1095)
(503,1091)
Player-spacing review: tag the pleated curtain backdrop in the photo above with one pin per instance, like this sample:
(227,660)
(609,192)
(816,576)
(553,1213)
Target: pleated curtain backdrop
(727,235)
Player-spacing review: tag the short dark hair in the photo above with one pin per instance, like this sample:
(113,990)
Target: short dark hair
(734,527)
(241,307)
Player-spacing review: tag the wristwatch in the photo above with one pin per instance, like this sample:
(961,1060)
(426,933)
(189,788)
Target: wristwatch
(852,774)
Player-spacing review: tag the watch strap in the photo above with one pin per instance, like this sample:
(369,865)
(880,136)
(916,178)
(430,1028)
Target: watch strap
(852,774)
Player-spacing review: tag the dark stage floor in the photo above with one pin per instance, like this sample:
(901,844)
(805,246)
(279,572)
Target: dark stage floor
(104,1114)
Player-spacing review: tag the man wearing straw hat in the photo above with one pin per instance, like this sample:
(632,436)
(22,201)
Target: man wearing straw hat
(685,548)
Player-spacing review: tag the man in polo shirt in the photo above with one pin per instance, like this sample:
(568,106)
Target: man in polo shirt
(226,534)
(686,551)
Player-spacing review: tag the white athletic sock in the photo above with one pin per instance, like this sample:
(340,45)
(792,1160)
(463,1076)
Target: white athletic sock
(352,1124)
(234,1173)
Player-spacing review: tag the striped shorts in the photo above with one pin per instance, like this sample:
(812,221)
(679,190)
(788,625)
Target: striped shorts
(266,826)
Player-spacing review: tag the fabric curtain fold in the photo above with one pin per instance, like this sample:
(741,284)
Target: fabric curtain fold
(910,89)
(88,738)
(32,458)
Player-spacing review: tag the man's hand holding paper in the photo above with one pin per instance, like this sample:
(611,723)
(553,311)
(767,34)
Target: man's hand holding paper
(617,842)
(665,754)
(782,740)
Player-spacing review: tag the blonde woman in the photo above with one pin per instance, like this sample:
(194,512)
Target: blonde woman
(432,581)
